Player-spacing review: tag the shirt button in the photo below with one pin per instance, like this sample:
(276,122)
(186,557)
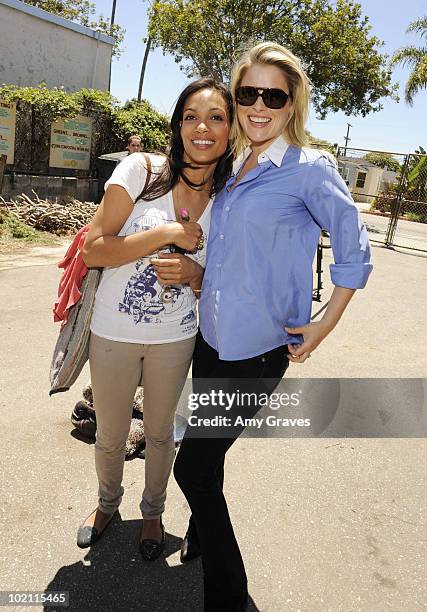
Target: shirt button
(227,208)
(221,236)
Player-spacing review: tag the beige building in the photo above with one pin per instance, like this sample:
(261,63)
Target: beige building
(363,178)
(37,46)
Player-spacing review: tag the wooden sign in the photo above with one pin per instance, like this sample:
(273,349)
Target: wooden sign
(7,129)
(70,142)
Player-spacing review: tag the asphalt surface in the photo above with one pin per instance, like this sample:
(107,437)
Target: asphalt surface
(325,524)
(409,234)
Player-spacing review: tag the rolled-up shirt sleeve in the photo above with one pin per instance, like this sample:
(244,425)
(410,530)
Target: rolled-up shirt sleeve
(329,202)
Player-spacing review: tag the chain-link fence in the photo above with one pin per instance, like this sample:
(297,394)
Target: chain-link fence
(390,190)
(408,222)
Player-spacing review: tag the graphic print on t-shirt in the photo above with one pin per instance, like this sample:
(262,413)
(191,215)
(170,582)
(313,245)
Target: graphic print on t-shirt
(142,301)
(128,306)
(189,318)
(150,219)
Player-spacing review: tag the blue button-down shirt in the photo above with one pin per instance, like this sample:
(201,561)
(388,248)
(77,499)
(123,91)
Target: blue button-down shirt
(262,242)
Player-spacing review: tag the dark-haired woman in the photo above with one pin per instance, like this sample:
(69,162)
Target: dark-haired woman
(139,330)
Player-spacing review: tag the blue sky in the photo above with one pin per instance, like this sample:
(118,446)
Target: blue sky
(398,127)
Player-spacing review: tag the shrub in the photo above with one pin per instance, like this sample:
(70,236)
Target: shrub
(38,107)
(384,201)
(419,217)
(11,226)
(141,118)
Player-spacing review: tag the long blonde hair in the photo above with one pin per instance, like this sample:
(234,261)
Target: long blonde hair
(273,54)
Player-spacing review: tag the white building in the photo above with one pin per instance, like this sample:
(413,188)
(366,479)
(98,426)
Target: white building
(37,46)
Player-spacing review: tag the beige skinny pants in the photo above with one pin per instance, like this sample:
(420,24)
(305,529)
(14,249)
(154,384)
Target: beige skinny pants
(116,370)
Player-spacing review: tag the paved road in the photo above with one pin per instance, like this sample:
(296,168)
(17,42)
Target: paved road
(408,233)
(325,525)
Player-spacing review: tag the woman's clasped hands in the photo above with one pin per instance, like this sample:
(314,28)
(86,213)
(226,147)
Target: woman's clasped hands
(177,269)
(185,235)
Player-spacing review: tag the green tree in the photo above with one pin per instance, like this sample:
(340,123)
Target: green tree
(416,59)
(320,143)
(414,190)
(142,119)
(82,11)
(383,160)
(333,39)
(416,181)
(76,10)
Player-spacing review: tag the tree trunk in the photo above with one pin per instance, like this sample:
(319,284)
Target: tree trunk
(144,64)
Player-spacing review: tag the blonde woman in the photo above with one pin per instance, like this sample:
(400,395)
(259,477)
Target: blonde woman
(255,304)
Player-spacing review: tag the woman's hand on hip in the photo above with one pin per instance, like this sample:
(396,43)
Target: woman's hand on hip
(313,334)
(177,269)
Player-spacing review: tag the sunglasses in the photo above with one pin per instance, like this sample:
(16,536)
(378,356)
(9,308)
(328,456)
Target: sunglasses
(272,98)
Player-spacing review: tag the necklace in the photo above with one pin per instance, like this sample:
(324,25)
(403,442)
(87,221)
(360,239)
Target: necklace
(201,242)
(179,204)
(165,296)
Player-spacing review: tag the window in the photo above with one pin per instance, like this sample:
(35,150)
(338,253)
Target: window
(344,171)
(361,178)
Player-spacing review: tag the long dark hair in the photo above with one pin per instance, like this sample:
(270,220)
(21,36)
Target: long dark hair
(172,170)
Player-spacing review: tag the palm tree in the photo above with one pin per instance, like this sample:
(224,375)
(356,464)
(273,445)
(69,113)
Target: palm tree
(416,58)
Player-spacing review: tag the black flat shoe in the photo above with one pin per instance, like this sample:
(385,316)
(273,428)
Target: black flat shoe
(152,549)
(86,535)
(190,548)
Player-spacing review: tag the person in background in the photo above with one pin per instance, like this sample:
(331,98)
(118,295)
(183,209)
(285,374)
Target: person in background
(134,144)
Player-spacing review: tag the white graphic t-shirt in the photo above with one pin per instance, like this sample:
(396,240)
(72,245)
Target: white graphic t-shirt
(129,304)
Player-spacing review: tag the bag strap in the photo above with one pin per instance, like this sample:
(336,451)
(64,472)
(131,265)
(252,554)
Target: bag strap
(148,177)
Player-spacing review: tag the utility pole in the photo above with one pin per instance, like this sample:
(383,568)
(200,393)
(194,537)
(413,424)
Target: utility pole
(113,12)
(113,16)
(347,138)
(144,64)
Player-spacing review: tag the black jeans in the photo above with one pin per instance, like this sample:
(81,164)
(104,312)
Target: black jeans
(199,471)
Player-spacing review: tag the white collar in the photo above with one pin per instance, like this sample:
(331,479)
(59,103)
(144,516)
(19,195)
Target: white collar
(275,153)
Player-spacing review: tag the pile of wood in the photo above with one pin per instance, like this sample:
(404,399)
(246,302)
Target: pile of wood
(59,218)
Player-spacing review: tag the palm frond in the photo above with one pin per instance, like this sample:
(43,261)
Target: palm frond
(414,84)
(419,26)
(410,56)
